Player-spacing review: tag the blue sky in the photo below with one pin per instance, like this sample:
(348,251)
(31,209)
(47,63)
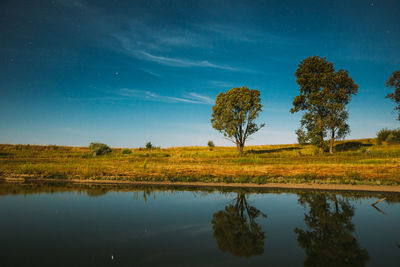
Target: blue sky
(128,72)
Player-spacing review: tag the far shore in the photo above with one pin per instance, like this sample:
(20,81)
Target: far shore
(361,165)
(310,186)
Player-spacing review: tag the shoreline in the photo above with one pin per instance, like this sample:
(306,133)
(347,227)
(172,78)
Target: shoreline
(303,186)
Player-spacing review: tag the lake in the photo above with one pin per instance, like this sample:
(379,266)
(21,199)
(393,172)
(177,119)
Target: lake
(62,224)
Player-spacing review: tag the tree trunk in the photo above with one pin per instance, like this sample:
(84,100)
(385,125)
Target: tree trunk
(332,142)
(321,149)
(336,203)
(239,148)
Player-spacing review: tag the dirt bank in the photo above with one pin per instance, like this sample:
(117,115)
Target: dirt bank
(342,187)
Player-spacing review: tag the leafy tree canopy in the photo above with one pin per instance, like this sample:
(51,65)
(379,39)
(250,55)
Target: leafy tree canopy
(149,145)
(210,145)
(328,239)
(236,230)
(234,114)
(394,81)
(323,96)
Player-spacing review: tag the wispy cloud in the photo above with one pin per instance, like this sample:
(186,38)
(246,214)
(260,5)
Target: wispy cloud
(111,99)
(136,38)
(132,50)
(222,84)
(179,40)
(230,32)
(192,98)
(175,46)
(178,62)
(125,94)
(201,98)
(152,73)
(243,34)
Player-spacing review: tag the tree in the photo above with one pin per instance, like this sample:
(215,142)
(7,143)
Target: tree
(394,81)
(328,239)
(211,145)
(323,96)
(234,114)
(236,230)
(149,145)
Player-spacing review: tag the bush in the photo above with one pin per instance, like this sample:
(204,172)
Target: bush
(210,145)
(149,145)
(382,135)
(393,138)
(396,134)
(99,149)
(390,136)
(126,151)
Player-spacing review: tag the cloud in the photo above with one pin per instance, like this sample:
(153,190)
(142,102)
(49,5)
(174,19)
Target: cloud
(136,38)
(230,32)
(132,50)
(243,34)
(152,73)
(125,94)
(111,99)
(201,98)
(222,84)
(192,98)
(177,62)
(146,41)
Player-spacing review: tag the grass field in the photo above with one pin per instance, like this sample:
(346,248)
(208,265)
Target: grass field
(354,162)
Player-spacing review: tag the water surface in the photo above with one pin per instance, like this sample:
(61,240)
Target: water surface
(91,225)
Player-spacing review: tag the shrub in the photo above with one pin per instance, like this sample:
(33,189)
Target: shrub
(393,138)
(99,149)
(390,139)
(149,145)
(396,134)
(210,145)
(382,135)
(126,151)
(390,136)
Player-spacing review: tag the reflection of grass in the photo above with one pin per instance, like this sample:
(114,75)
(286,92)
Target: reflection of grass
(93,189)
(352,164)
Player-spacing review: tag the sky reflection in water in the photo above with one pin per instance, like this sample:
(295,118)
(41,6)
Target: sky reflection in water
(64,225)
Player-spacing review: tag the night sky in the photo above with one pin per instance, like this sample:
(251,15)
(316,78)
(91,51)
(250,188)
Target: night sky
(128,72)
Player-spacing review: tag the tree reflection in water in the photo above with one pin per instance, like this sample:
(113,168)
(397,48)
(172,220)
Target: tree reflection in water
(236,231)
(328,241)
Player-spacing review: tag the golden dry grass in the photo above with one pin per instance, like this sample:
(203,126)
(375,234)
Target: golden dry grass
(356,162)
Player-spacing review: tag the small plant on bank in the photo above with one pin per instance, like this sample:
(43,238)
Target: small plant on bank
(99,149)
(210,145)
(126,151)
(149,145)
